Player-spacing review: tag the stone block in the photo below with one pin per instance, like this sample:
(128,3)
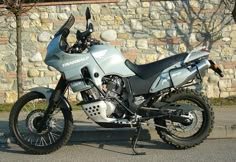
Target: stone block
(224,94)
(10,97)
(130,43)
(159,34)
(37,57)
(96,8)
(62,16)
(223,84)
(33,73)
(136,25)
(109,35)
(42,80)
(44,37)
(34,16)
(142,44)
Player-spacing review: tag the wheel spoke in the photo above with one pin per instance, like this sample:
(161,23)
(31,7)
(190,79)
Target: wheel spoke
(30,114)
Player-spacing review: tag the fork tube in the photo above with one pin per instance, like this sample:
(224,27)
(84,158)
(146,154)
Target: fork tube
(54,101)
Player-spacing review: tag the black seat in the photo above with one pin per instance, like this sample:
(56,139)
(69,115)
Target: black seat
(155,68)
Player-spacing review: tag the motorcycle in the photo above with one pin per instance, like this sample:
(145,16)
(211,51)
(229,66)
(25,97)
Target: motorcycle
(115,93)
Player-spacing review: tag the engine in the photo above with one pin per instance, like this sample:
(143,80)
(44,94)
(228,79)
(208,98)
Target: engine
(114,87)
(109,109)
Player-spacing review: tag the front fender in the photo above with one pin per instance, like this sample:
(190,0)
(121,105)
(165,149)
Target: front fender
(47,92)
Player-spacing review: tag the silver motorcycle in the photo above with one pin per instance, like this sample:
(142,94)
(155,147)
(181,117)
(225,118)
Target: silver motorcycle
(115,93)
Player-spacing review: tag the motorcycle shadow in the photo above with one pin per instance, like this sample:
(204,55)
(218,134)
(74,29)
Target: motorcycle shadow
(125,147)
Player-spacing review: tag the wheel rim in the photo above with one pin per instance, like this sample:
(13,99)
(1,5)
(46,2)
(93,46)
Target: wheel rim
(28,120)
(179,131)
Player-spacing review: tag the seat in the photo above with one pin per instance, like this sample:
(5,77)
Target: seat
(155,68)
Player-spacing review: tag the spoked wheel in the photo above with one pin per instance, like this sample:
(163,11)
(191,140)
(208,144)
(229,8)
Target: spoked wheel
(184,136)
(25,119)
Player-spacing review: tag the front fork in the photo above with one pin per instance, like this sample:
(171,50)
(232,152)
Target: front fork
(54,101)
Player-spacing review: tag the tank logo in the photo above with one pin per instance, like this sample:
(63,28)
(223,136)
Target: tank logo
(99,54)
(75,61)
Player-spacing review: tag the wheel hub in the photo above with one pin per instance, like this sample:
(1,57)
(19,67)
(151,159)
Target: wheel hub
(185,130)
(33,121)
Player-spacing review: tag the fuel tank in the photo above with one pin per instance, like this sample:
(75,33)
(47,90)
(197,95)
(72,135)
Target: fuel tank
(110,60)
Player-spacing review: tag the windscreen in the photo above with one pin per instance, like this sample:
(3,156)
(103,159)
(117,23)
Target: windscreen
(67,25)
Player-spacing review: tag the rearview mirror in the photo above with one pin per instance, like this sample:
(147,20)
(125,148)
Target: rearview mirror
(88,14)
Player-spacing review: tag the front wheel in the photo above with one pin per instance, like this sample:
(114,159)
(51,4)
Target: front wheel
(186,136)
(25,118)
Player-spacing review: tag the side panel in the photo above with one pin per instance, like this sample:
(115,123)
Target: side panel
(110,60)
(176,76)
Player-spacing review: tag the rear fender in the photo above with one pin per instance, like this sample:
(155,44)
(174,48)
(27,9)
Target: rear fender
(47,92)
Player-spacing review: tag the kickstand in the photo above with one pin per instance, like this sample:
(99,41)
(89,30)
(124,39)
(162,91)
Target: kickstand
(135,140)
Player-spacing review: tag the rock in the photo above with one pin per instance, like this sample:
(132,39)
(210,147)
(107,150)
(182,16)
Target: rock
(145,4)
(52,16)
(136,25)
(169,5)
(212,91)
(213,79)
(47,26)
(132,4)
(44,15)
(140,59)
(13,25)
(108,35)
(154,15)
(224,84)
(151,58)
(123,36)
(10,67)
(11,97)
(105,11)
(159,34)
(141,35)
(161,50)
(142,44)
(62,16)
(107,18)
(37,57)
(26,24)
(233,43)
(130,43)
(34,16)
(42,80)
(2,69)
(95,8)
(44,37)
(182,48)
(118,20)
(227,51)
(234,58)
(233,34)
(224,94)
(226,39)
(64,8)
(33,73)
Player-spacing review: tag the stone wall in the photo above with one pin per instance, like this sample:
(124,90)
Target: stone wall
(143,31)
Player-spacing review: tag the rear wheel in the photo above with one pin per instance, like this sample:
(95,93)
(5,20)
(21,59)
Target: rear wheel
(24,122)
(186,136)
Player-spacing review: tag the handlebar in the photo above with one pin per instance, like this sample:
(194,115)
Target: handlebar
(83,35)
